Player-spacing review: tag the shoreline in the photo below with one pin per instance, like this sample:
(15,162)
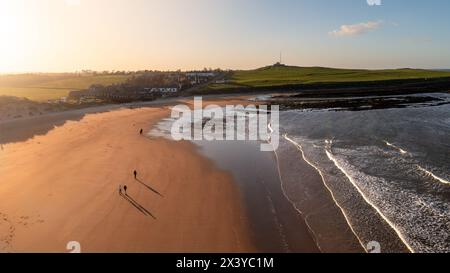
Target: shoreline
(277,227)
(346,89)
(270,221)
(22,129)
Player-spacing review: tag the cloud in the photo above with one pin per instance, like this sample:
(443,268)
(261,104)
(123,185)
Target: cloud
(356,29)
(374,2)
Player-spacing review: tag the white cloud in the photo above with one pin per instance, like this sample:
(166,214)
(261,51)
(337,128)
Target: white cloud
(356,29)
(374,2)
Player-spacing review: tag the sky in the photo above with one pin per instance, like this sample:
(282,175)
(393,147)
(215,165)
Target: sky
(72,35)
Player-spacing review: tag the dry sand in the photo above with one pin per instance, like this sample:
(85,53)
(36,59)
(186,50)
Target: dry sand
(63,187)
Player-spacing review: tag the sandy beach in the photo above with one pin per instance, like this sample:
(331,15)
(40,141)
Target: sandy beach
(63,186)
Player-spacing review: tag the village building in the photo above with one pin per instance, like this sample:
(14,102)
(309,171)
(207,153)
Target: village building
(122,93)
(200,77)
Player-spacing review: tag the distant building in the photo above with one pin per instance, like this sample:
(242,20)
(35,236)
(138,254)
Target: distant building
(121,93)
(201,74)
(200,77)
(279,64)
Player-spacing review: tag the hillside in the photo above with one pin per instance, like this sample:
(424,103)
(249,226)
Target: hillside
(273,76)
(42,87)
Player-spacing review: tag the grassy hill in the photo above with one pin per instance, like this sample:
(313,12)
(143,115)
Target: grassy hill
(42,87)
(273,76)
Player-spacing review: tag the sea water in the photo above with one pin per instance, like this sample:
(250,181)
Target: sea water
(386,172)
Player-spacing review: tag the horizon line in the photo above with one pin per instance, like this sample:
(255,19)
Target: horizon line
(203,69)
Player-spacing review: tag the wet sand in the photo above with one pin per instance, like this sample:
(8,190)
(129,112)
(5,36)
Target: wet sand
(277,227)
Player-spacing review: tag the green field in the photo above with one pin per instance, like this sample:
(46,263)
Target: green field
(42,87)
(273,76)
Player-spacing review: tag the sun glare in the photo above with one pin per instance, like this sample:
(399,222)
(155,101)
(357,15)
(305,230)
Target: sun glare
(12,33)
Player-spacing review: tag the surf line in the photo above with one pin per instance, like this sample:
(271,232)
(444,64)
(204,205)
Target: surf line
(350,178)
(304,217)
(420,168)
(313,234)
(395,147)
(347,219)
(443,181)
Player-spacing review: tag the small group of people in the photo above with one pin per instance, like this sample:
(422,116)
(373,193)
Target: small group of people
(125,187)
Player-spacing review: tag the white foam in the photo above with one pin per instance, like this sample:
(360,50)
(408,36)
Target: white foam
(347,219)
(395,147)
(443,181)
(390,183)
(366,199)
(427,172)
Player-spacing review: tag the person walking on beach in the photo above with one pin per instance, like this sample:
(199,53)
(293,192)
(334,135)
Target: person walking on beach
(141,132)
(125,189)
(135,174)
(120,189)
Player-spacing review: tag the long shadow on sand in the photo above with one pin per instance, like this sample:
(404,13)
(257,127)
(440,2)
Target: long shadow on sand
(137,205)
(148,187)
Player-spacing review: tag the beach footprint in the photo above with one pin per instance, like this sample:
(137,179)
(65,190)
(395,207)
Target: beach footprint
(7,231)
(8,226)
(28,221)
